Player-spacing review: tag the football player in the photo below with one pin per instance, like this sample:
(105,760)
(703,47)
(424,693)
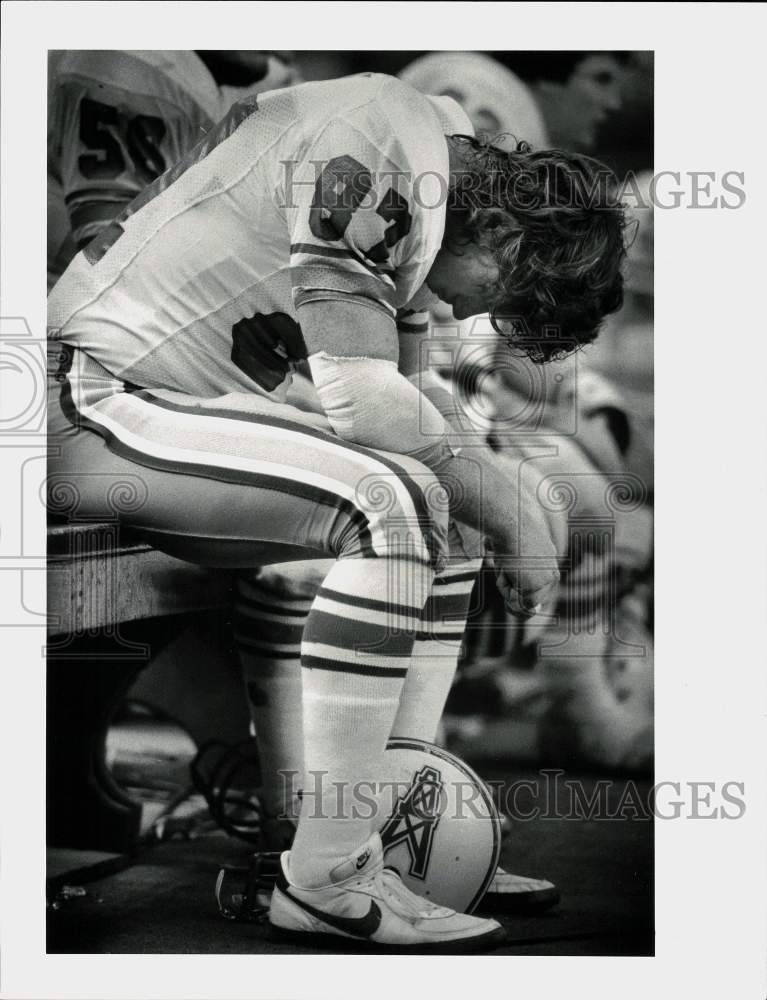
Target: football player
(118,119)
(500,107)
(576,91)
(304,226)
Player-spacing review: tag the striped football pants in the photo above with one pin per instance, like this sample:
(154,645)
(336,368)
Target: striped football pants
(237,482)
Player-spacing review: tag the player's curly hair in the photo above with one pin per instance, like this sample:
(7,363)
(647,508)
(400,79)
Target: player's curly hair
(554,225)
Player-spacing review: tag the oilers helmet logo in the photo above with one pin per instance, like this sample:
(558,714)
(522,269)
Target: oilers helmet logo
(415,817)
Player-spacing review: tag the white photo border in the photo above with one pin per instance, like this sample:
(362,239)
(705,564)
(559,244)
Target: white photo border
(711,877)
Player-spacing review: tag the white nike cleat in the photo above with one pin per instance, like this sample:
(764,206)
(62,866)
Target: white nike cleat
(366,902)
(518,894)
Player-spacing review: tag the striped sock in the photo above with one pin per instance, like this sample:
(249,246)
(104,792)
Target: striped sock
(355,654)
(435,653)
(268,626)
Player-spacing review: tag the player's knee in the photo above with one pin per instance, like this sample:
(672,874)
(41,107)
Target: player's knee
(436,500)
(409,513)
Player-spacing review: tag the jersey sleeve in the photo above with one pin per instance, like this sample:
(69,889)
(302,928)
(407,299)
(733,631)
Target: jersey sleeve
(412,322)
(119,123)
(412,329)
(350,217)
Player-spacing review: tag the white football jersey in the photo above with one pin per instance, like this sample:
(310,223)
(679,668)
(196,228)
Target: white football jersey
(331,190)
(116,121)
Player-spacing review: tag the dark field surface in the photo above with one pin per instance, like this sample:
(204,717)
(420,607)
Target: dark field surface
(163,901)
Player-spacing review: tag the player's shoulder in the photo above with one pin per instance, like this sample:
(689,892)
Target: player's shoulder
(413,114)
(385,112)
(414,126)
(398,97)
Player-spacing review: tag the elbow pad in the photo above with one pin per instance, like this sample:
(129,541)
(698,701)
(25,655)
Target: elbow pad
(369,402)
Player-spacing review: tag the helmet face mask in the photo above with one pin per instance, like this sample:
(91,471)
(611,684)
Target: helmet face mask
(439,826)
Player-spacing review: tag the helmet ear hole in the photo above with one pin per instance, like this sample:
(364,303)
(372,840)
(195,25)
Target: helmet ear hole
(485,120)
(438,823)
(456,95)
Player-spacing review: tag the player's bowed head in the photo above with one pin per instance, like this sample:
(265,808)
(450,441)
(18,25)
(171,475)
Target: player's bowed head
(545,231)
(550,230)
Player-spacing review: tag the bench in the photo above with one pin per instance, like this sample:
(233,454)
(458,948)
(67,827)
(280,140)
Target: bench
(113,604)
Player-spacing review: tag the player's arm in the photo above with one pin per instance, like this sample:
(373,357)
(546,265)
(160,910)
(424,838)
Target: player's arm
(351,228)
(503,495)
(413,333)
(353,353)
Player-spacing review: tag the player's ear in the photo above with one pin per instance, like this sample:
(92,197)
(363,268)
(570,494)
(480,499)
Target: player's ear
(456,236)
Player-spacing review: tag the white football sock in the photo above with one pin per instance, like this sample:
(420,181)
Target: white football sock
(436,653)
(355,654)
(268,627)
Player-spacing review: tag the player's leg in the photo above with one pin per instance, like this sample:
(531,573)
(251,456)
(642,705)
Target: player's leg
(436,652)
(213,485)
(271,607)
(270,610)
(269,615)
(427,685)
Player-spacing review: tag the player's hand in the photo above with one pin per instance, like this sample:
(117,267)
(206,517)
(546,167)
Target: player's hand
(526,564)
(525,590)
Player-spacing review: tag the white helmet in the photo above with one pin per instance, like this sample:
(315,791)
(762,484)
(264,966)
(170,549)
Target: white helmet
(494,98)
(438,824)
(441,830)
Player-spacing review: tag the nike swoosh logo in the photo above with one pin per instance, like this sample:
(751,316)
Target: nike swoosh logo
(363,927)
(362,860)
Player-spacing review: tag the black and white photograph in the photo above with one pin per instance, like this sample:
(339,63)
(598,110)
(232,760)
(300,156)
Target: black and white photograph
(331,534)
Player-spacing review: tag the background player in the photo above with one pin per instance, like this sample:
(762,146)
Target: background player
(588,708)
(575,91)
(499,105)
(119,119)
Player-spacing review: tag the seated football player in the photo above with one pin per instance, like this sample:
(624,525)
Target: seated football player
(299,229)
(500,107)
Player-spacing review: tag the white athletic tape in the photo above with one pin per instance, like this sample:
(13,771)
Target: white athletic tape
(369,402)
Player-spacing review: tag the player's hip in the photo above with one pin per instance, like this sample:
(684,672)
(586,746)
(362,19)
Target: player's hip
(239,437)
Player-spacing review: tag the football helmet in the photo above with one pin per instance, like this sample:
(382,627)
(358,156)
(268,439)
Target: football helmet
(493,97)
(439,826)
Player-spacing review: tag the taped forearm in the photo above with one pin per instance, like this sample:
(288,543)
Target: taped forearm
(482,497)
(368,402)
